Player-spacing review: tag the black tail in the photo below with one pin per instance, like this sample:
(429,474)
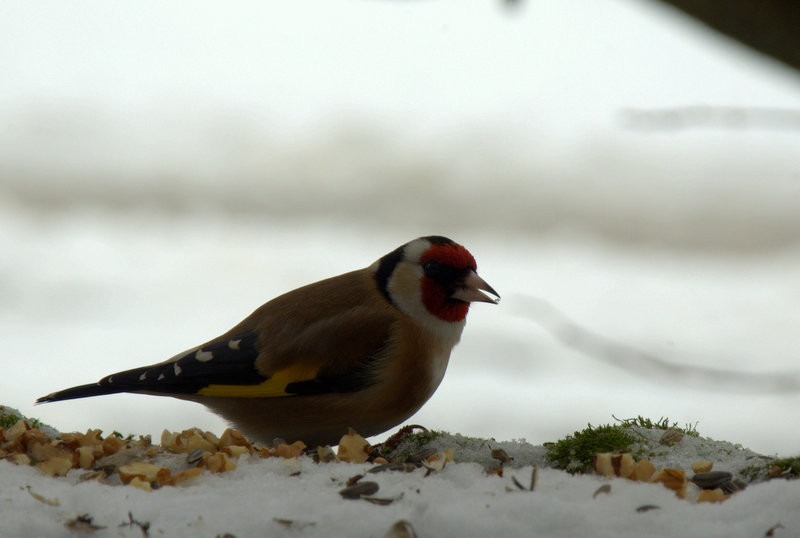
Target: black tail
(82,391)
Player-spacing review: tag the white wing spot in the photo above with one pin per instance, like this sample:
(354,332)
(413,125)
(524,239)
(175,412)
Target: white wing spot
(176,368)
(143,376)
(234,344)
(160,377)
(203,356)
(110,379)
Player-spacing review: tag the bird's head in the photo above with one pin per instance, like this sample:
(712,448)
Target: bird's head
(432,278)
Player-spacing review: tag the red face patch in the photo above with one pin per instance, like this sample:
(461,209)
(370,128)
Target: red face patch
(451,254)
(435,294)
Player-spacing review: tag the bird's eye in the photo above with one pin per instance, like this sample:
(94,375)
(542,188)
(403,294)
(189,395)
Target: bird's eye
(431,268)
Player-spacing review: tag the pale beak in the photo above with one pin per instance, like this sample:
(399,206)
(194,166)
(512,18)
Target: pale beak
(471,287)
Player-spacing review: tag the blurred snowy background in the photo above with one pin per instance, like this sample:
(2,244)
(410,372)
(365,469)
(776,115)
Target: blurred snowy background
(165,168)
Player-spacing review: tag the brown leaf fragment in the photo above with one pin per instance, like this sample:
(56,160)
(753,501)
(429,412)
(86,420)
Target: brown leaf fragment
(516,483)
(293,523)
(392,442)
(42,498)
(401,529)
(647,508)
(381,501)
(501,455)
(605,488)
(143,526)
(82,524)
(771,530)
(356,491)
(395,466)
(777,471)
(498,472)
(534,477)
(353,479)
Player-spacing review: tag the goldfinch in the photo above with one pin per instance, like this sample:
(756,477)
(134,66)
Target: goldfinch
(364,350)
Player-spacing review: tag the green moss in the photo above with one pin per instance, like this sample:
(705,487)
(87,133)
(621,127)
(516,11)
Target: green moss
(409,443)
(422,438)
(119,435)
(6,421)
(661,424)
(9,419)
(753,472)
(790,467)
(575,453)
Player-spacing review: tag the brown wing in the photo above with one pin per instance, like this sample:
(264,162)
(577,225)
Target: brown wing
(321,338)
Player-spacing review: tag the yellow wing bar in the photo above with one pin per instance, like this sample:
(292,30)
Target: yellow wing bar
(273,387)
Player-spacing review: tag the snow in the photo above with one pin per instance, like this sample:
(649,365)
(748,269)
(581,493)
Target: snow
(460,500)
(464,497)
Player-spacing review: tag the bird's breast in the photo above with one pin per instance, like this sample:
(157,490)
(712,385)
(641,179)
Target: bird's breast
(437,368)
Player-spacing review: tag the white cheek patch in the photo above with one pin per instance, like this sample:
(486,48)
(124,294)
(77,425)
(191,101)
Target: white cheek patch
(405,290)
(404,287)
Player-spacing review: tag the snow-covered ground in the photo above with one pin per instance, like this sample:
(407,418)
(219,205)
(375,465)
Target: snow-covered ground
(286,497)
(459,501)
